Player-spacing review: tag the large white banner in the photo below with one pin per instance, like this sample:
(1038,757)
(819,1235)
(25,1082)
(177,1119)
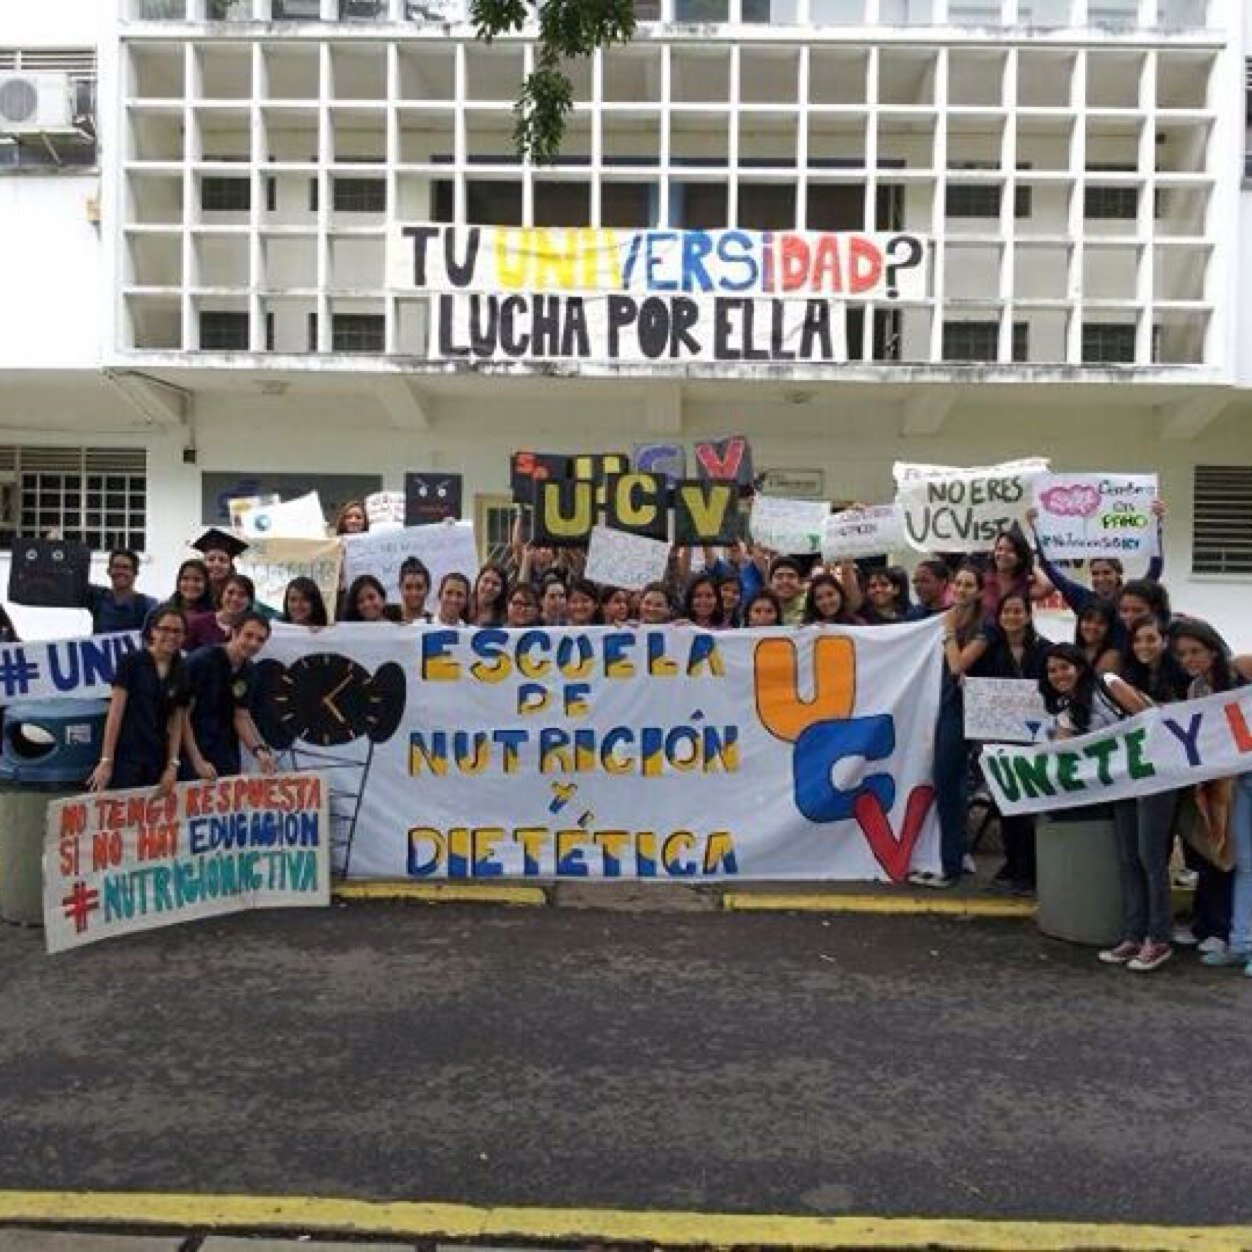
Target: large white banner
(656,753)
(71,669)
(1085,516)
(953,509)
(1164,748)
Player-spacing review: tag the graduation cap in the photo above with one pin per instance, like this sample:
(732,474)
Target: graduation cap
(215,540)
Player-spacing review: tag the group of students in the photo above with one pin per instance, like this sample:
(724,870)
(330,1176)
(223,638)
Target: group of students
(188,717)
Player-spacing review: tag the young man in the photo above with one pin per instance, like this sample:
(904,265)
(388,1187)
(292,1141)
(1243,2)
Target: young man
(931,586)
(222,680)
(786,581)
(119,606)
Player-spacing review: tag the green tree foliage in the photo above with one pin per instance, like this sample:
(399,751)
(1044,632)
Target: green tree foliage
(567,29)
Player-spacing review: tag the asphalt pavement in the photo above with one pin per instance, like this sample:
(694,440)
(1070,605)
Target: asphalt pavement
(731,1063)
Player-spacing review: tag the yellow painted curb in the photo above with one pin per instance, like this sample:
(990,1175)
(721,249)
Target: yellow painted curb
(441,893)
(833,902)
(668,1229)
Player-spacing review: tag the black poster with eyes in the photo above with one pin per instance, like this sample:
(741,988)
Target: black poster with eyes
(431,497)
(49,573)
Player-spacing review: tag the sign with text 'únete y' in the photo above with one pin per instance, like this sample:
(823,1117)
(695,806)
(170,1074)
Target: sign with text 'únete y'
(124,861)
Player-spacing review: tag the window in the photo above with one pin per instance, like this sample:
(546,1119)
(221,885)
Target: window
(297,10)
(357,332)
(980,341)
(223,332)
(982,200)
(1105,203)
(225,195)
(1222,530)
(359,195)
(1108,343)
(96,496)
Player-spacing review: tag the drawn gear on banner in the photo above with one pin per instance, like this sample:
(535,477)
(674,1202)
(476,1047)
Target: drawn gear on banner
(319,705)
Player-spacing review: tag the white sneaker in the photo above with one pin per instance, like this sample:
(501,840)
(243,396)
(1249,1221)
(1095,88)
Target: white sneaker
(968,864)
(1184,936)
(1186,879)
(1213,944)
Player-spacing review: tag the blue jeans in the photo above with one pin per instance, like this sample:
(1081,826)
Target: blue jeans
(1144,837)
(1241,828)
(951,784)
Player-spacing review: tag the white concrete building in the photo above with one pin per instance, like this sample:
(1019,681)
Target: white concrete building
(206,309)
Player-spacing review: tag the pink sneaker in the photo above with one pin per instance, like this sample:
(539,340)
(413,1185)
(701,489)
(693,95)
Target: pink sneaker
(1151,956)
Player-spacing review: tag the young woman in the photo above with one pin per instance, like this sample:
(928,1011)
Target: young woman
(144,726)
(583,603)
(352,519)
(205,629)
(1141,598)
(414,589)
(615,606)
(655,608)
(932,585)
(303,604)
(886,596)
(191,588)
(1079,699)
(730,593)
(553,603)
(1012,569)
(366,601)
(454,598)
(763,609)
(1094,633)
(1205,657)
(701,604)
(487,601)
(522,608)
(825,602)
(218,549)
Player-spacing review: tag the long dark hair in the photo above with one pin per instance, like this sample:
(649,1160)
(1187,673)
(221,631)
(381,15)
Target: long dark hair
(811,614)
(307,588)
(1152,593)
(1077,702)
(1165,681)
(1030,636)
(1223,676)
(351,613)
(764,594)
(718,616)
(1104,610)
(205,603)
(1022,549)
(496,611)
(898,577)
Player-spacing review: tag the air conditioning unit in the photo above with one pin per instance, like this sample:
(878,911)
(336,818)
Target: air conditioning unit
(31,103)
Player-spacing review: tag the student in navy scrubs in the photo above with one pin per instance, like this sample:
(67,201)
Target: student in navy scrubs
(144,726)
(222,683)
(119,606)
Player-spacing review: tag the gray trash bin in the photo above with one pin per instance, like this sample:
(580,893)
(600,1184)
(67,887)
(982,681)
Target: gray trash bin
(1079,886)
(47,750)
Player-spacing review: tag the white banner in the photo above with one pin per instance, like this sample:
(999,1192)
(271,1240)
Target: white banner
(1164,748)
(794,527)
(655,753)
(1085,516)
(79,669)
(871,531)
(273,563)
(124,861)
(617,559)
(497,326)
(1008,710)
(301,518)
(949,509)
(445,548)
(791,263)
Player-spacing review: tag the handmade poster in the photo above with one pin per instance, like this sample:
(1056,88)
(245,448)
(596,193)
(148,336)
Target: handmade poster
(794,527)
(706,512)
(385,510)
(118,862)
(950,509)
(875,530)
(49,573)
(618,559)
(728,459)
(527,468)
(79,669)
(1162,749)
(1085,516)
(1004,710)
(273,563)
(668,460)
(730,265)
(300,518)
(444,549)
(653,753)
(565,510)
(431,497)
(237,506)
(639,504)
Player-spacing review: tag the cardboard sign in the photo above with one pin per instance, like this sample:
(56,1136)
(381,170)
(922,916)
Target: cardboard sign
(949,509)
(856,533)
(706,513)
(616,559)
(49,573)
(1086,516)
(273,563)
(1005,710)
(722,460)
(385,510)
(301,518)
(668,460)
(126,861)
(528,468)
(794,527)
(565,511)
(444,549)
(431,497)
(638,504)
